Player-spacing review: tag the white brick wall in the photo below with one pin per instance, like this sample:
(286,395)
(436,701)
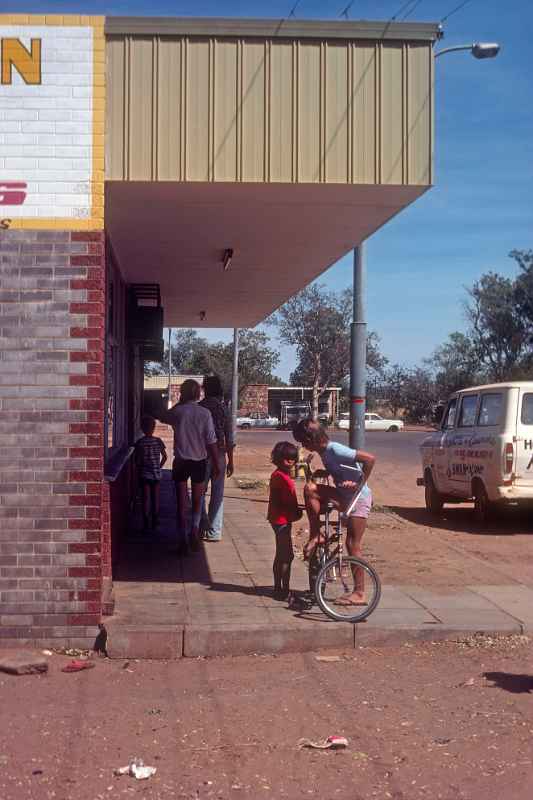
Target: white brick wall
(46,130)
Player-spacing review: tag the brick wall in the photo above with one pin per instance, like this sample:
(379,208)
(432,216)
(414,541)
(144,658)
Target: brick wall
(51,424)
(254,397)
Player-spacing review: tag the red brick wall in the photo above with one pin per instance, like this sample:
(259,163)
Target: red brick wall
(51,422)
(254,397)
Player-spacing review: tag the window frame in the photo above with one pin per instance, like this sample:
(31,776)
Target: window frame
(478,418)
(524,395)
(464,398)
(454,401)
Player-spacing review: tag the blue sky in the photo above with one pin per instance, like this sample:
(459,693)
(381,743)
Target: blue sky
(480,207)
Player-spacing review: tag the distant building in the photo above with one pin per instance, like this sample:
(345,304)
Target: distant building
(268,399)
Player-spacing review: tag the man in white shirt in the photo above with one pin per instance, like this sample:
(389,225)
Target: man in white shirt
(194,440)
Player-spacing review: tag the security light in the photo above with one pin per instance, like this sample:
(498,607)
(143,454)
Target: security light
(226,260)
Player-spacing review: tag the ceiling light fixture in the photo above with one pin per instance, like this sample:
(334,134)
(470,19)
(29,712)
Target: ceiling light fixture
(226,260)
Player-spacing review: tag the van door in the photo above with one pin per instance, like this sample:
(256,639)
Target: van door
(459,447)
(440,455)
(524,438)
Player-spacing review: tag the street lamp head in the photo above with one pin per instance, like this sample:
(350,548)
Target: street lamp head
(485,49)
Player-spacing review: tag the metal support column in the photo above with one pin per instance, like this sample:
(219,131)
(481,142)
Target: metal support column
(169,402)
(235,382)
(358,352)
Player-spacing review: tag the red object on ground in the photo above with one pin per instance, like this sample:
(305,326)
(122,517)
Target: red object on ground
(77,666)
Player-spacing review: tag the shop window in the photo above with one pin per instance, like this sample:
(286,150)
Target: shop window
(116,361)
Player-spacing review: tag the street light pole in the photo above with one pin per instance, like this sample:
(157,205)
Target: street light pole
(358,351)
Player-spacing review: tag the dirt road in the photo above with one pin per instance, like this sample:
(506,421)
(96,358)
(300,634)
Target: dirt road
(449,721)
(405,543)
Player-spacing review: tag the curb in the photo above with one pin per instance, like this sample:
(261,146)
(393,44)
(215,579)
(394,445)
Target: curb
(212,641)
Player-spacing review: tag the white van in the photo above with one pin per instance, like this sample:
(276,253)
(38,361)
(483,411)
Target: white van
(483,450)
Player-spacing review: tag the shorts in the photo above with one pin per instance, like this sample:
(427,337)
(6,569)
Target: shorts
(149,481)
(182,470)
(362,507)
(283,529)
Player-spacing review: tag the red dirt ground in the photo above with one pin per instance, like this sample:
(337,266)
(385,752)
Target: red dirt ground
(424,722)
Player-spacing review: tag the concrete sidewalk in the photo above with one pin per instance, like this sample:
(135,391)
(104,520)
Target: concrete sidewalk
(218,602)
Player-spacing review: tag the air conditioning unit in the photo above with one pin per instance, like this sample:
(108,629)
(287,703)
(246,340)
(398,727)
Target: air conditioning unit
(145,319)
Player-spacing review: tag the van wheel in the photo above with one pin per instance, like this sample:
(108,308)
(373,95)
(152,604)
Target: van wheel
(394,429)
(434,501)
(246,426)
(482,504)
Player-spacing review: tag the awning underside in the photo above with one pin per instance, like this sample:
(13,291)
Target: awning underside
(282,237)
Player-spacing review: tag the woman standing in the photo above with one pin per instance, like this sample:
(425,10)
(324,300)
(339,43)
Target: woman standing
(194,441)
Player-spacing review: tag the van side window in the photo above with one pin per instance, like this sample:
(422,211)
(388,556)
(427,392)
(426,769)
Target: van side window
(449,417)
(490,410)
(527,410)
(467,416)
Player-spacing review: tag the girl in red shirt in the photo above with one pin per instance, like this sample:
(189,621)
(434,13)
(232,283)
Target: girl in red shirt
(283,510)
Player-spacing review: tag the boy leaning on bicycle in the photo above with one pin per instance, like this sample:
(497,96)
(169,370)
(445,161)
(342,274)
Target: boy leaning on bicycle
(349,469)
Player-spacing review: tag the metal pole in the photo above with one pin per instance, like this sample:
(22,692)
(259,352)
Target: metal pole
(358,351)
(169,402)
(235,382)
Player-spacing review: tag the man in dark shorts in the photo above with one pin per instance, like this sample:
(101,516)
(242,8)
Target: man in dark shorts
(194,441)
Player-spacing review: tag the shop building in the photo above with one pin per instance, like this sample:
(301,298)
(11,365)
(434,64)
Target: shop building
(195,172)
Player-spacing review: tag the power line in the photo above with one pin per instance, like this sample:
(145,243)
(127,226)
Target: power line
(410,11)
(454,10)
(293,9)
(400,10)
(345,11)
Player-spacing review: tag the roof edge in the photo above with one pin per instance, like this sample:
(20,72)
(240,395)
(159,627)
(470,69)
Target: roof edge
(272,28)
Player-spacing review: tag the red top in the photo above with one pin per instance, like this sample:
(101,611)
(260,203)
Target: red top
(282,503)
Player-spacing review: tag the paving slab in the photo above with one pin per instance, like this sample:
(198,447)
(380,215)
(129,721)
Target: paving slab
(514,599)
(451,599)
(23,663)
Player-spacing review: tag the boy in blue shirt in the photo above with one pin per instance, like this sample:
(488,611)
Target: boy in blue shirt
(336,458)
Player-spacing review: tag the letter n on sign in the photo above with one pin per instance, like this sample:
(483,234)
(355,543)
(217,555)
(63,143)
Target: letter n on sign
(26,62)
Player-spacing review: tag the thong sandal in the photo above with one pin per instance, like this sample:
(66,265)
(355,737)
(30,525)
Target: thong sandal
(342,601)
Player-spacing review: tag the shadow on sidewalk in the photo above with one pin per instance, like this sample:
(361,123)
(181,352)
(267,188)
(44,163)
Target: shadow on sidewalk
(516,684)
(460,519)
(152,556)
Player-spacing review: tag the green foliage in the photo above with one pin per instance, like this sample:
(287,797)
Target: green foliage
(317,322)
(194,355)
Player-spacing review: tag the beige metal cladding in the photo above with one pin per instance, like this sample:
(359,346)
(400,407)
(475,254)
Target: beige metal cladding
(252,109)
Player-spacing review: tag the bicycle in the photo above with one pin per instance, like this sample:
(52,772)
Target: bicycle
(333,574)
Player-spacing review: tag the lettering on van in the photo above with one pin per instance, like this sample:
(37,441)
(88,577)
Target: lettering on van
(482,454)
(528,444)
(467,469)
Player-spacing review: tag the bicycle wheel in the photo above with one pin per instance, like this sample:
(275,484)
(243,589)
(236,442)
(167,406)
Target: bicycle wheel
(336,581)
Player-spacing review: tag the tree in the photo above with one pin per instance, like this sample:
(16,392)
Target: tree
(188,355)
(499,332)
(257,360)
(194,355)
(317,322)
(394,380)
(456,363)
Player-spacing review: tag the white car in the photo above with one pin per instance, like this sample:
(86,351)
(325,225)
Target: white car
(257,420)
(373,422)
